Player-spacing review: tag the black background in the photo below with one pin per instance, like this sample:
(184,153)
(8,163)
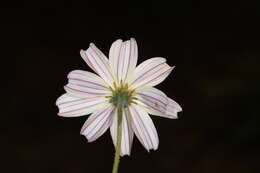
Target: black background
(214,46)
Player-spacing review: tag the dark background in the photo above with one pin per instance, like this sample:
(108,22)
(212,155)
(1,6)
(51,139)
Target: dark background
(214,46)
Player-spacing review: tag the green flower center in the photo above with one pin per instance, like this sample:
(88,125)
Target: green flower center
(121,96)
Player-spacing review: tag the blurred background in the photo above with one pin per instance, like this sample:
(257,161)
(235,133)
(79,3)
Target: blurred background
(214,46)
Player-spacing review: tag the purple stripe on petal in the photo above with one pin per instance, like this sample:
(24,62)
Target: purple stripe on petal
(128,60)
(142,76)
(152,98)
(91,82)
(158,93)
(86,85)
(100,121)
(67,88)
(81,108)
(145,129)
(103,57)
(97,124)
(66,102)
(88,90)
(140,129)
(160,75)
(104,72)
(92,120)
(151,105)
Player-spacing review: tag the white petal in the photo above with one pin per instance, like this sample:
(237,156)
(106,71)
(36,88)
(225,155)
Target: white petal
(127,133)
(113,129)
(123,58)
(86,59)
(98,62)
(150,63)
(172,108)
(70,106)
(155,102)
(114,55)
(144,128)
(98,123)
(153,99)
(150,73)
(84,84)
(133,58)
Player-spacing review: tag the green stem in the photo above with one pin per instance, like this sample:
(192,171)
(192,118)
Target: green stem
(119,138)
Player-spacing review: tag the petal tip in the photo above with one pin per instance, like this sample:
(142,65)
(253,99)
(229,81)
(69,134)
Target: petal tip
(92,45)
(57,102)
(124,154)
(85,137)
(60,114)
(82,131)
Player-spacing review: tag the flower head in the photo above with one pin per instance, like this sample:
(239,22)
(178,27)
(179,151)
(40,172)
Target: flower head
(118,81)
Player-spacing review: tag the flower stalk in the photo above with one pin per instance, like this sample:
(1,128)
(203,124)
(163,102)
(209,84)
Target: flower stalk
(120,107)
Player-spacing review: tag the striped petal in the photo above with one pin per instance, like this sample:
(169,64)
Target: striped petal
(144,128)
(98,62)
(150,73)
(98,123)
(172,108)
(70,106)
(155,102)
(114,53)
(123,58)
(127,133)
(84,84)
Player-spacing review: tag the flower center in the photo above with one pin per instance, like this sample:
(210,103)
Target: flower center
(121,96)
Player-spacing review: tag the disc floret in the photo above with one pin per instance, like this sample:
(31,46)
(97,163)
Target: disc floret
(121,95)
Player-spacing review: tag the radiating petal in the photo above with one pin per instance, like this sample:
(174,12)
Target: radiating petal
(84,84)
(144,128)
(172,108)
(98,123)
(127,133)
(123,58)
(133,59)
(142,68)
(98,62)
(114,53)
(70,106)
(150,73)
(155,102)
(152,99)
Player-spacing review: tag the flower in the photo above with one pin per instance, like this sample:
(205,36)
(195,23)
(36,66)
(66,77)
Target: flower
(119,81)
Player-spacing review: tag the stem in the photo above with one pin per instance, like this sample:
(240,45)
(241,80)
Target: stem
(119,138)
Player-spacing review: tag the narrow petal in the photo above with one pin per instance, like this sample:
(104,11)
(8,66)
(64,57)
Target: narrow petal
(70,106)
(98,123)
(127,133)
(155,102)
(133,59)
(172,108)
(153,99)
(141,69)
(84,84)
(98,62)
(114,53)
(123,58)
(144,128)
(150,73)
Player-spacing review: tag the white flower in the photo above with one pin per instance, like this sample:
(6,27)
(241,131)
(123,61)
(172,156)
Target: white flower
(88,93)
